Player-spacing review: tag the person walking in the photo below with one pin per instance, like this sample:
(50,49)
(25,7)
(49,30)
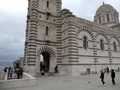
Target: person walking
(113,77)
(18,73)
(107,70)
(56,69)
(42,72)
(102,77)
(11,72)
(21,72)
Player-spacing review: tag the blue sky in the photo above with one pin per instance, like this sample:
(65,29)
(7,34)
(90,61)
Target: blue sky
(13,22)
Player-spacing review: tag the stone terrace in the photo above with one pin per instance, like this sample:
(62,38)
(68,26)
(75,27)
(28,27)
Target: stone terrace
(82,82)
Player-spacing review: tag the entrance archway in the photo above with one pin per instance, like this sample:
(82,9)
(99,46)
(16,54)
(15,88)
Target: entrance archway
(46,61)
(49,59)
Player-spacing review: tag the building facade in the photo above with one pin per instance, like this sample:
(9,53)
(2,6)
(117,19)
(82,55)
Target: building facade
(74,44)
(18,63)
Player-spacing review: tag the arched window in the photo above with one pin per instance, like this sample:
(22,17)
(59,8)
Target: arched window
(85,43)
(115,46)
(47,4)
(100,19)
(46,30)
(101,45)
(108,17)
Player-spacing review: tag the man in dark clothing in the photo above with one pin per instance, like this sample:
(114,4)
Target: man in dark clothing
(42,72)
(21,72)
(56,69)
(113,77)
(102,77)
(18,73)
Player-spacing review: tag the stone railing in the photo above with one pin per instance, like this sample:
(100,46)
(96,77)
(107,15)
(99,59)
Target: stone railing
(27,80)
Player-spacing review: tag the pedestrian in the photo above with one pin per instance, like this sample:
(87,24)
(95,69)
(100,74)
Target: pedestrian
(113,77)
(21,72)
(15,71)
(107,70)
(11,73)
(18,73)
(118,69)
(102,77)
(5,69)
(42,72)
(102,70)
(56,69)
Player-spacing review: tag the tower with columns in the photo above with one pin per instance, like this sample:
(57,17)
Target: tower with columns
(43,34)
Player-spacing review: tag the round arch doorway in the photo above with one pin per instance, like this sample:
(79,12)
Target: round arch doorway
(45,63)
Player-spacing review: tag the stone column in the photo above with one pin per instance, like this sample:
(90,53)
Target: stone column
(109,53)
(95,52)
(52,64)
(32,59)
(37,64)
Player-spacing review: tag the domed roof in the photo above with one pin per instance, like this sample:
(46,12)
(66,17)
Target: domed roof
(106,15)
(104,8)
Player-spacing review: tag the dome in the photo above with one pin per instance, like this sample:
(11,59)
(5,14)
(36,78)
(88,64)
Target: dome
(104,8)
(106,15)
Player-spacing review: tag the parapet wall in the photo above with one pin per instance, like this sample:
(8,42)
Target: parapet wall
(2,76)
(28,80)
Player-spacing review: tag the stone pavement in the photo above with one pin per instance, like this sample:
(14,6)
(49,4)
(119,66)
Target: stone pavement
(82,82)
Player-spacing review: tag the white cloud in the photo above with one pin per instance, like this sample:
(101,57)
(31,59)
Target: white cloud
(12,31)
(13,5)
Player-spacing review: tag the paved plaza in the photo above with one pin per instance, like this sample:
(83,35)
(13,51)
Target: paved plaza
(82,82)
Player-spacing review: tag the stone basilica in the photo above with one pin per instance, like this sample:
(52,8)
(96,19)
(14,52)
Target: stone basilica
(74,44)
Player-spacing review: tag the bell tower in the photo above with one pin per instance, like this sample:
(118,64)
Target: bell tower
(43,34)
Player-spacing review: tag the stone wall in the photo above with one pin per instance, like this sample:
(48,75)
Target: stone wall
(2,76)
(28,80)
